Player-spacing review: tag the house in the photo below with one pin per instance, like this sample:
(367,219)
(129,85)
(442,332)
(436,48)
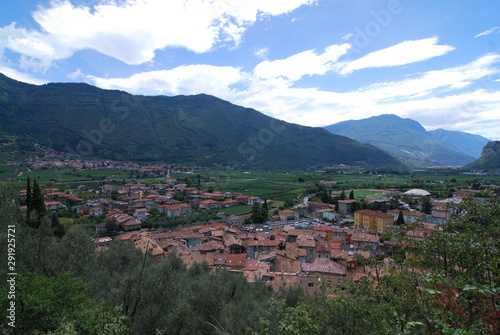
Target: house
(141,214)
(307,243)
(288,214)
(314,206)
(345,206)
(213,195)
(234,243)
(83,210)
(286,261)
(370,219)
(174,210)
(241,198)
(51,190)
(89,210)
(254,200)
(147,245)
(339,234)
(209,204)
(442,211)
(236,261)
(107,190)
(362,240)
(53,205)
(408,216)
(256,246)
(125,221)
(119,205)
(131,224)
(328,214)
(327,229)
(95,211)
(323,249)
(234,220)
(348,258)
(192,239)
(325,267)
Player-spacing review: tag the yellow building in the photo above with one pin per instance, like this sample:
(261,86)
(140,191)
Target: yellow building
(370,219)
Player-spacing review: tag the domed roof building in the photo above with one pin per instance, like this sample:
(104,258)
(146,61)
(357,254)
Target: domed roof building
(417,192)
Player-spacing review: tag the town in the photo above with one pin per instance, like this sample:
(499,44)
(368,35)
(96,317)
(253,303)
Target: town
(317,246)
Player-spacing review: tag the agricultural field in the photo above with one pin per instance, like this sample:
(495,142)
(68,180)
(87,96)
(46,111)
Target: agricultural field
(275,186)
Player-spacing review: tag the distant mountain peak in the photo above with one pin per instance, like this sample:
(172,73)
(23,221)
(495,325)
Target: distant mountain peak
(408,139)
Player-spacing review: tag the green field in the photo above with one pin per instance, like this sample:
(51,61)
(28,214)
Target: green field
(275,186)
(63,179)
(238,210)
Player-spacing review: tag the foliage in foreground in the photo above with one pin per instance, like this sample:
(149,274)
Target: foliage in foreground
(448,284)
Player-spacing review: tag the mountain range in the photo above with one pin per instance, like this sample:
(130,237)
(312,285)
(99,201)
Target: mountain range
(89,122)
(409,140)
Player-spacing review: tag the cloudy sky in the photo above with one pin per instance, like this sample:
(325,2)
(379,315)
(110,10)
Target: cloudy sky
(311,62)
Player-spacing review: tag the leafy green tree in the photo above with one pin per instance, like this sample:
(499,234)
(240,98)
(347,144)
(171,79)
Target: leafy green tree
(57,227)
(60,304)
(259,214)
(111,225)
(426,205)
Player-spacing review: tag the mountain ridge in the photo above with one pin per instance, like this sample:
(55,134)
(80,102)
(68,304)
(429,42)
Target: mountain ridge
(91,122)
(409,140)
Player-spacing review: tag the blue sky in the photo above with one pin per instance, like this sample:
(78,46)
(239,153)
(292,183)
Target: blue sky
(311,62)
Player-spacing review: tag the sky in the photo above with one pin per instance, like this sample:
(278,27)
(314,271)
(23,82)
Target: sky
(310,62)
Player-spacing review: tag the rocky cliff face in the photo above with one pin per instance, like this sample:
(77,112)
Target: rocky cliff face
(490,158)
(491,147)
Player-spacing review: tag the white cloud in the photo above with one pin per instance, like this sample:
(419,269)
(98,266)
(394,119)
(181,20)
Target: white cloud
(133,31)
(262,53)
(76,75)
(7,70)
(309,62)
(400,54)
(433,81)
(487,32)
(301,64)
(193,79)
(432,98)
(347,37)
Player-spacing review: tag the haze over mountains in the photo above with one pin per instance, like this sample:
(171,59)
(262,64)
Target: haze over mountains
(408,139)
(204,130)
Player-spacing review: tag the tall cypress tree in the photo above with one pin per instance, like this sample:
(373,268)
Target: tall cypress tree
(29,205)
(401,220)
(28,192)
(351,195)
(342,195)
(37,205)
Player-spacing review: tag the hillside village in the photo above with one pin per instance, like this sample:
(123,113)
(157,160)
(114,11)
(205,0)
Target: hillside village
(311,245)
